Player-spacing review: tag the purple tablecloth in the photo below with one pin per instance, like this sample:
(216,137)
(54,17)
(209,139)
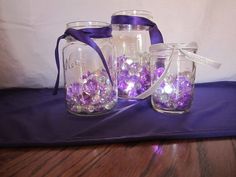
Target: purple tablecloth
(34,117)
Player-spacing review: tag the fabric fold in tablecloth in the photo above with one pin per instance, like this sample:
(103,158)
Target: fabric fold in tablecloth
(34,117)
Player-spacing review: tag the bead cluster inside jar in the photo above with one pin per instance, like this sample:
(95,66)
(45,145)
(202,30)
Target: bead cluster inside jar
(133,76)
(94,93)
(89,89)
(175,93)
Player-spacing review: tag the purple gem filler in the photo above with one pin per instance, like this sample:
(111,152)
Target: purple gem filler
(133,78)
(175,93)
(93,94)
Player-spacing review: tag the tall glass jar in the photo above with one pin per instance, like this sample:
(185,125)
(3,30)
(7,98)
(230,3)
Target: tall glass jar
(132,43)
(88,88)
(175,92)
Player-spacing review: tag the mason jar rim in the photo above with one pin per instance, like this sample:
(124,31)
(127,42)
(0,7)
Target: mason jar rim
(170,46)
(84,24)
(134,12)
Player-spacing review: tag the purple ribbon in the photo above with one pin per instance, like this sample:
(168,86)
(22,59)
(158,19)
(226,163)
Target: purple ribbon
(154,32)
(84,35)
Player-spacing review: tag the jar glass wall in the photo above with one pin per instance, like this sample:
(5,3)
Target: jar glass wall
(88,88)
(175,92)
(132,43)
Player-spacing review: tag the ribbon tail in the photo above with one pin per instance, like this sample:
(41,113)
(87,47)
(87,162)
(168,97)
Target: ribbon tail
(58,65)
(155,35)
(200,59)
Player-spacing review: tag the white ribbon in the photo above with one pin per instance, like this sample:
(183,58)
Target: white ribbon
(190,56)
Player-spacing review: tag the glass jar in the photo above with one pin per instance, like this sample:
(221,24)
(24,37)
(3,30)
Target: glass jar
(132,43)
(88,88)
(175,91)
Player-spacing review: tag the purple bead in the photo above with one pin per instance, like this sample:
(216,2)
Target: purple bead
(182,82)
(90,87)
(73,90)
(145,78)
(134,79)
(121,58)
(85,99)
(133,93)
(122,85)
(124,73)
(184,101)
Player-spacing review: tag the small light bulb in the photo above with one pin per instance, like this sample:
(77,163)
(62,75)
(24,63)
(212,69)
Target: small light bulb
(129,87)
(168,89)
(129,61)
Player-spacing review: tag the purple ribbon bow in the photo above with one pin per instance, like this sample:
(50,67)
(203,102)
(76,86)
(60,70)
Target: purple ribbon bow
(84,35)
(155,34)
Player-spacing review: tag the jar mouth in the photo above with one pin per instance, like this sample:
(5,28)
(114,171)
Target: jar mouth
(169,46)
(86,24)
(140,13)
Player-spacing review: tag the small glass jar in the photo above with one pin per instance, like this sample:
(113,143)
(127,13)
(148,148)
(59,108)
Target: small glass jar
(175,92)
(132,43)
(88,88)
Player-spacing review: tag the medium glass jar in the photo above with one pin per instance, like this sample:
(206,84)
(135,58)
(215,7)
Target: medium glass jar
(132,43)
(175,91)
(88,88)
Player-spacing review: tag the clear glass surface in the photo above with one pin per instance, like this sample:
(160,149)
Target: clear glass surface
(175,93)
(132,43)
(88,88)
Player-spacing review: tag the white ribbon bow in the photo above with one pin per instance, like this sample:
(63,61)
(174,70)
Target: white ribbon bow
(190,56)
